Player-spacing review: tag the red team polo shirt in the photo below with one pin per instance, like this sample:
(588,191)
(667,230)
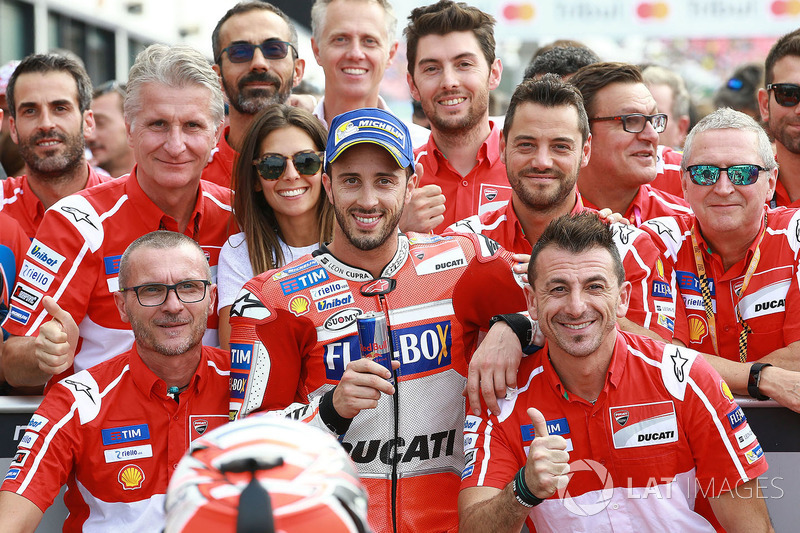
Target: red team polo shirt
(770,299)
(19,201)
(781,197)
(650,309)
(664,421)
(220,168)
(650,203)
(114,437)
(485,187)
(75,259)
(668,171)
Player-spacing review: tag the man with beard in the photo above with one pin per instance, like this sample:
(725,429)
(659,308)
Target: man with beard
(652,421)
(295,348)
(114,434)
(778,104)
(544,144)
(451,69)
(48,98)
(173,114)
(255,56)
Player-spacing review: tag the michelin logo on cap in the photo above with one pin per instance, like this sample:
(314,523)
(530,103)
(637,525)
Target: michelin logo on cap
(370,125)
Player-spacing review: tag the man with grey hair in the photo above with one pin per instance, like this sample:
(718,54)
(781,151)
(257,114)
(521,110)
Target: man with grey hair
(735,261)
(173,115)
(114,434)
(354,42)
(48,99)
(256,58)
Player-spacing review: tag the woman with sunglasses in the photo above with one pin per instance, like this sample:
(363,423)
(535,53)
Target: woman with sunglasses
(279,201)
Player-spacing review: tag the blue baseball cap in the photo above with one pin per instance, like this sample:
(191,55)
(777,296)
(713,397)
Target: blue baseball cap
(369,125)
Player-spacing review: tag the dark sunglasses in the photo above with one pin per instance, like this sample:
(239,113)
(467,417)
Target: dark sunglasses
(635,122)
(243,52)
(271,166)
(786,94)
(738,174)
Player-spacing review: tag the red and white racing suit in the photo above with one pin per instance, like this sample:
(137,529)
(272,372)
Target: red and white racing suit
(294,332)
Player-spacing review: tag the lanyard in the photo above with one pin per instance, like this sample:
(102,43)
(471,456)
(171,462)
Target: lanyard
(706,292)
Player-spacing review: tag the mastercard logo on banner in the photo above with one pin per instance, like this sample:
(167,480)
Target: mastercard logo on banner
(519,12)
(652,10)
(789,8)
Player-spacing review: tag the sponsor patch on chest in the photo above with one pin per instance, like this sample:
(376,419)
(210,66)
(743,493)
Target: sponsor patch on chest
(650,424)
(439,257)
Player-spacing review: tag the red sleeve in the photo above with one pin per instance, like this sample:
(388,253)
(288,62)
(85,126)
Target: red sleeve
(489,458)
(488,286)
(267,347)
(725,449)
(46,453)
(63,261)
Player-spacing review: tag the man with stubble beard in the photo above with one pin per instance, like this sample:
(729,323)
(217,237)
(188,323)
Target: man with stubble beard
(255,57)
(48,98)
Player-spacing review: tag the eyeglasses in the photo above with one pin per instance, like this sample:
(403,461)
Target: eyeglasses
(272,166)
(738,174)
(154,294)
(786,94)
(243,52)
(635,122)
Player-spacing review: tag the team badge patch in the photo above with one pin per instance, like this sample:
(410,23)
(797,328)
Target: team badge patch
(644,425)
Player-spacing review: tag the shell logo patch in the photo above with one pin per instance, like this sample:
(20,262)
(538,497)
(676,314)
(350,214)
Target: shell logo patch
(726,391)
(131,477)
(299,305)
(697,328)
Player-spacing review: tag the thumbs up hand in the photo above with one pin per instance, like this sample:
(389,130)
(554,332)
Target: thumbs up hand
(548,460)
(57,340)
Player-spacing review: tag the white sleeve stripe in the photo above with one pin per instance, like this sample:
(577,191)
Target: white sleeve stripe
(61,288)
(213,365)
(56,427)
(217,201)
(75,264)
(487,452)
(717,422)
(720,429)
(675,207)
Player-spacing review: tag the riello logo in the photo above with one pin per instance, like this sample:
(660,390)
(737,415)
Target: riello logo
(519,12)
(652,10)
(785,8)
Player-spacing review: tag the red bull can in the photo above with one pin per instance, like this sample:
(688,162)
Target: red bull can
(373,336)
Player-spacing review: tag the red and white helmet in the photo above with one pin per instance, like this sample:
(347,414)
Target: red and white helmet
(284,470)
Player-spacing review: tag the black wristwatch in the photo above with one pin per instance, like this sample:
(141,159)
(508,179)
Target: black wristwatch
(520,325)
(754,380)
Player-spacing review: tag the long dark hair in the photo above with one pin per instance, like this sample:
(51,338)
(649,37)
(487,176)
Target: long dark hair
(254,215)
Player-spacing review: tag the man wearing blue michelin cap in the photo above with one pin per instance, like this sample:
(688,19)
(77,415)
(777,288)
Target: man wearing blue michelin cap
(295,348)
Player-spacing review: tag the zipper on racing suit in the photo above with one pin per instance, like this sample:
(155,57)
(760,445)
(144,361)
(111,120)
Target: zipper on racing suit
(385,308)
